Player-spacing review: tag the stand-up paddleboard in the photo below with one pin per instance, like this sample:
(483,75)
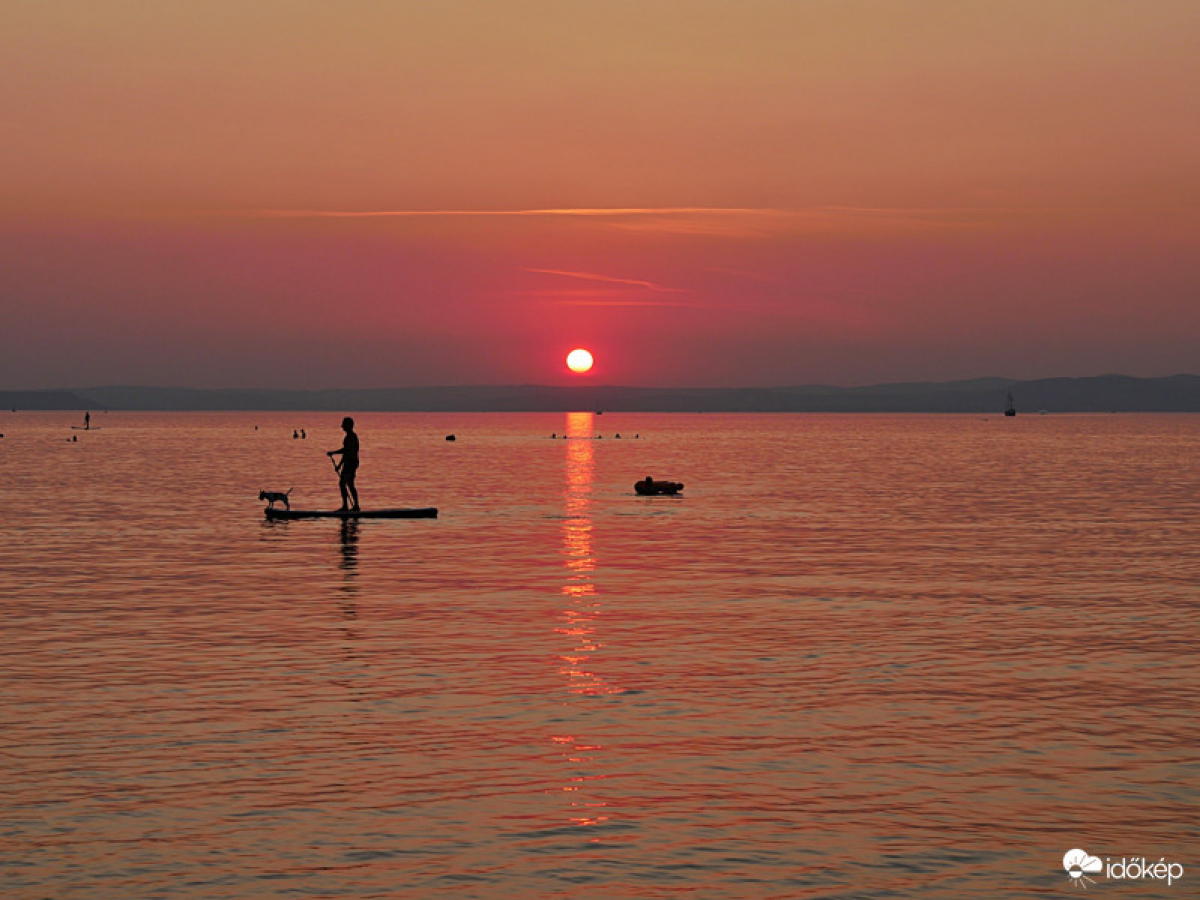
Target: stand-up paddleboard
(426,512)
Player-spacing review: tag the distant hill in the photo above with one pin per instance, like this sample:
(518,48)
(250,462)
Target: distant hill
(43,400)
(1106,393)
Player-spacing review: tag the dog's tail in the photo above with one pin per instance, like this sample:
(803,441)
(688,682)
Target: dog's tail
(289,490)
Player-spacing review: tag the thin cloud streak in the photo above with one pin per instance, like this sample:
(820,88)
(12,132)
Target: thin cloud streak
(635,211)
(732,222)
(606,304)
(615,212)
(608,279)
(602,298)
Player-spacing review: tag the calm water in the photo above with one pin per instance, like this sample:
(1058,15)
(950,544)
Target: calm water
(861,656)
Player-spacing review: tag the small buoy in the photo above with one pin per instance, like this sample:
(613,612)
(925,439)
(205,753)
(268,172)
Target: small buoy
(451,437)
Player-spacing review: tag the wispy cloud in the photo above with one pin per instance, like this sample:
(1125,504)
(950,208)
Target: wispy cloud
(589,212)
(609,279)
(599,297)
(723,222)
(699,221)
(604,290)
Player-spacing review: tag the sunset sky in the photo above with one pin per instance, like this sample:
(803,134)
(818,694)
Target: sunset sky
(390,193)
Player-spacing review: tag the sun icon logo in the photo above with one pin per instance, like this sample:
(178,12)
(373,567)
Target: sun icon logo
(1077,863)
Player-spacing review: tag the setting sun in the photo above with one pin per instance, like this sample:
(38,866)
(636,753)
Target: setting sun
(579,361)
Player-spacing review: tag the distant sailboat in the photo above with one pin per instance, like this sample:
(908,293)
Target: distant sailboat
(1009,408)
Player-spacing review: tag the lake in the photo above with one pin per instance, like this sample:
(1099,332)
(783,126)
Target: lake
(858,656)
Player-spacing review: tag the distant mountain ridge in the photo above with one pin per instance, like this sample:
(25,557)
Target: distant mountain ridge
(43,400)
(1104,393)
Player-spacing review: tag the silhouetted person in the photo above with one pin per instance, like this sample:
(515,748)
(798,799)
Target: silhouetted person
(87,421)
(349,465)
(303,436)
(295,435)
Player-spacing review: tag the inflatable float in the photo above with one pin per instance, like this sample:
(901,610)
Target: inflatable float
(648,487)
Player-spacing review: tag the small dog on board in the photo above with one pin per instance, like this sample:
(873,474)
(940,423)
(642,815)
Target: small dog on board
(273,497)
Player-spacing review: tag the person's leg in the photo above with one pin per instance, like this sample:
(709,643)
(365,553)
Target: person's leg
(353,490)
(342,489)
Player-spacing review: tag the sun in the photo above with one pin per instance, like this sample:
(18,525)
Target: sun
(579,361)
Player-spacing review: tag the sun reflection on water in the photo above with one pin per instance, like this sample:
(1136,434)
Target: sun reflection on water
(580,617)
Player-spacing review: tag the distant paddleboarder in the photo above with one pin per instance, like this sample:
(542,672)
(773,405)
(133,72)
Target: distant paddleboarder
(87,421)
(348,467)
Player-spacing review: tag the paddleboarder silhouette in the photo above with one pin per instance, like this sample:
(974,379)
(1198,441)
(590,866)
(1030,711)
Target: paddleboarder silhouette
(348,467)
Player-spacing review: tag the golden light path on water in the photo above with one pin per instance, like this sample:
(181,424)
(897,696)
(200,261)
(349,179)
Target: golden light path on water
(581,616)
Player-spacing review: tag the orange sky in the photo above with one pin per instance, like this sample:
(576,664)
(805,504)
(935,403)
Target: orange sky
(704,193)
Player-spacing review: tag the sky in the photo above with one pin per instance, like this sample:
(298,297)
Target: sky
(390,193)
